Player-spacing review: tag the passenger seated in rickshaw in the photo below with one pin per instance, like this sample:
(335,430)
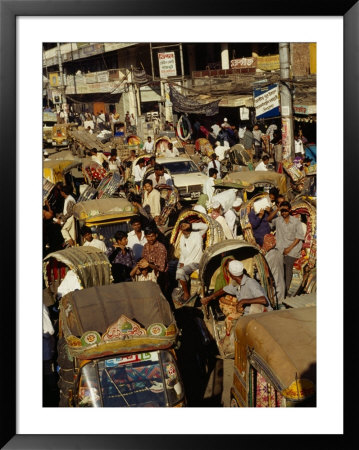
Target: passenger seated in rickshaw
(244,297)
(191,250)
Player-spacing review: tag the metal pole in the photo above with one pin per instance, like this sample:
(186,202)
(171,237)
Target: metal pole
(286,102)
(47,76)
(63,96)
(182,65)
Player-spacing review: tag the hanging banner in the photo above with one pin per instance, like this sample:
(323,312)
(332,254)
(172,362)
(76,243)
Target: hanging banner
(184,104)
(266,101)
(268,62)
(286,142)
(167,64)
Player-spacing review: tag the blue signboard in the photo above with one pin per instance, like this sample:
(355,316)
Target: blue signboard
(266,101)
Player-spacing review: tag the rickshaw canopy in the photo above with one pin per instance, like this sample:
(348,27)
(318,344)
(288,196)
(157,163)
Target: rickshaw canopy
(283,343)
(91,266)
(106,209)
(54,170)
(123,317)
(278,180)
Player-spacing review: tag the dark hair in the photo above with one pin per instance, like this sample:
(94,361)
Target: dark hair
(158,166)
(265,158)
(66,189)
(214,155)
(148,181)
(113,152)
(186,222)
(119,235)
(152,158)
(285,203)
(94,150)
(85,230)
(149,230)
(149,137)
(212,171)
(135,219)
(274,191)
(170,145)
(141,160)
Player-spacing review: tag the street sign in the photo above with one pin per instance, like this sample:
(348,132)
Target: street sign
(266,101)
(167,64)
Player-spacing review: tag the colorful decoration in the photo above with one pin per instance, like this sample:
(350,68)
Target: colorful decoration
(299,389)
(156,329)
(171,330)
(90,338)
(122,329)
(73,341)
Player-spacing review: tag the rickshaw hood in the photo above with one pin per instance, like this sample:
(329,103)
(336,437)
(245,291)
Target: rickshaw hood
(283,343)
(278,180)
(101,209)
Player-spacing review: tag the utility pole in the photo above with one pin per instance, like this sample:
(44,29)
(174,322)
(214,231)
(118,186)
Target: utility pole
(286,103)
(63,96)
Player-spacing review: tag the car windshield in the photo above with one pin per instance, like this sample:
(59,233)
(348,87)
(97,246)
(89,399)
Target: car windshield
(141,379)
(179,167)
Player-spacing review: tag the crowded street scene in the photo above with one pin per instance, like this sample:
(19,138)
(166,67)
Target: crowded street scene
(179,224)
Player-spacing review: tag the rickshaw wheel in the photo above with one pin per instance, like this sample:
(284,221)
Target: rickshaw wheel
(234,403)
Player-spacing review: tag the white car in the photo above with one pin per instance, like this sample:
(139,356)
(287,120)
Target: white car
(187,177)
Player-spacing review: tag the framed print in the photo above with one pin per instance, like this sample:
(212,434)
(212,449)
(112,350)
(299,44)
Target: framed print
(25,26)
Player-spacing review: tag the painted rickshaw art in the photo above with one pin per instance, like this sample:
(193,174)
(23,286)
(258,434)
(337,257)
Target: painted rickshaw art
(117,348)
(93,172)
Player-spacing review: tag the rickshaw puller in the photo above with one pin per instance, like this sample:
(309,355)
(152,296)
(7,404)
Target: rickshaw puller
(248,291)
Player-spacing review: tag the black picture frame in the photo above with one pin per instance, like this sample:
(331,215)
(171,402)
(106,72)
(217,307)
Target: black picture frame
(10,9)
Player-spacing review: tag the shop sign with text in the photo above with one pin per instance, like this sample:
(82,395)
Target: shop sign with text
(266,101)
(167,64)
(244,63)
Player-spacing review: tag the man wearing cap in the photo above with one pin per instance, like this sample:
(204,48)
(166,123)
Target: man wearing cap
(248,291)
(232,218)
(191,250)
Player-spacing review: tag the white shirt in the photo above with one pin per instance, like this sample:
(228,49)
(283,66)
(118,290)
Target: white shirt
(216,165)
(226,230)
(171,153)
(148,146)
(191,248)
(99,158)
(96,243)
(241,132)
(261,166)
(136,244)
(216,129)
(153,200)
(208,188)
(69,283)
(68,199)
(138,172)
(298,146)
(220,151)
(230,217)
(114,165)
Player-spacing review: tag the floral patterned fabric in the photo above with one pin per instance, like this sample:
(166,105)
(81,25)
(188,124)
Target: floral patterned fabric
(266,396)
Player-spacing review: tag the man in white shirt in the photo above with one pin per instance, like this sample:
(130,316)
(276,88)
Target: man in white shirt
(148,146)
(225,123)
(171,151)
(152,199)
(298,145)
(86,234)
(66,218)
(232,217)
(98,157)
(263,164)
(191,251)
(136,237)
(139,171)
(216,129)
(217,211)
(208,187)
(220,150)
(215,165)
